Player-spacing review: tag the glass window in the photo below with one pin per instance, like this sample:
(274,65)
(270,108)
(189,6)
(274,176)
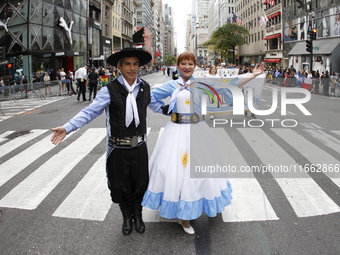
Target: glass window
(48,14)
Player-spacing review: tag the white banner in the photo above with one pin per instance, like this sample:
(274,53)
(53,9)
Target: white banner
(227,96)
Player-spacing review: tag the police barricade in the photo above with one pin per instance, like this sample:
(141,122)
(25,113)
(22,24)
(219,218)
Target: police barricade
(12,93)
(52,88)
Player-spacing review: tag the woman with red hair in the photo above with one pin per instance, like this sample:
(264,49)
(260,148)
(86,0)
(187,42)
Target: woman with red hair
(185,144)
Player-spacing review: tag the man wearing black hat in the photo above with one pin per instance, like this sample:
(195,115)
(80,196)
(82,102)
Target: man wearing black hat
(81,77)
(125,101)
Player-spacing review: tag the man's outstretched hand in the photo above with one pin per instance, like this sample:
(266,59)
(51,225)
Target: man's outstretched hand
(59,133)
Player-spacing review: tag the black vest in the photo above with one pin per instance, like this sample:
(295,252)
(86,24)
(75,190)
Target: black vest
(117,109)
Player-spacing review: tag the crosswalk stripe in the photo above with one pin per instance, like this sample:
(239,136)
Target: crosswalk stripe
(90,199)
(290,113)
(3,137)
(313,154)
(18,141)
(337,132)
(11,109)
(303,193)
(33,190)
(316,126)
(306,125)
(16,164)
(249,201)
(326,139)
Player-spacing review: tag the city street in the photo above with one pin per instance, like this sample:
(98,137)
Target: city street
(55,200)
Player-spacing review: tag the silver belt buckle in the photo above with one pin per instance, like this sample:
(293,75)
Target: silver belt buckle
(195,118)
(134,141)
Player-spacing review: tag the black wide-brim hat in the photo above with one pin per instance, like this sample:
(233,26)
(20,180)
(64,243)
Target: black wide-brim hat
(143,56)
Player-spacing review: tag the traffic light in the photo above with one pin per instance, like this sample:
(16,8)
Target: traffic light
(309,46)
(310,34)
(9,65)
(313,35)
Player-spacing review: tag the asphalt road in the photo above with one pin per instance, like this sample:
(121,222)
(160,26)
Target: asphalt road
(43,188)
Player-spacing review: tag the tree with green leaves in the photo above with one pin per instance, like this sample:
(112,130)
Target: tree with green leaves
(169,60)
(226,38)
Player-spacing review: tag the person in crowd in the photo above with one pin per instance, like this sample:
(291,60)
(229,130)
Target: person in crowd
(333,81)
(58,78)
(93,78)
(125,101)
(24,82)
(63,79)
(212,74)
(81,77)
(316,81)
(47,83)
(325,83)
(69,83)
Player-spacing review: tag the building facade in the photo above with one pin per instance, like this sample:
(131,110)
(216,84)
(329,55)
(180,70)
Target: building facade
(298,19)
(254,51)
(39,35)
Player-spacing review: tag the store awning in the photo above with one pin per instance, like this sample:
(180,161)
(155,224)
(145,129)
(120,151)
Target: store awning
(272,36)
(321,47)
(272,60)
(274,15)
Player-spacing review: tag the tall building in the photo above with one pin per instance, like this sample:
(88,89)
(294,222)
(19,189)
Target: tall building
(158,32)
(117,26)
(273,34)
(254,50)
(298,19)
(200,30)
(145,22)
(219,13)
(40,35)
(94,33)
(107,32)
(127,23)
(169,47)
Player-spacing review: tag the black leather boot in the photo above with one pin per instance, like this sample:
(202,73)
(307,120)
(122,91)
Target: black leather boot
(137,218)
(127,219)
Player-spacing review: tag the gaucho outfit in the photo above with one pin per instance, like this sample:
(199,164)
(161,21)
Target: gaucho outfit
(127,156)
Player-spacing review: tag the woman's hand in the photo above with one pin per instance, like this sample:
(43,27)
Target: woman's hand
(258,69)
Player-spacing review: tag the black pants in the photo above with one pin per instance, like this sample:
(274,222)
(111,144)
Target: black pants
(70,87)
(82,89)
(128,174)
(93,88)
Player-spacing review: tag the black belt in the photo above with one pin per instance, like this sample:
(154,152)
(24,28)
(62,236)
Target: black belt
(128,141)
(186,118)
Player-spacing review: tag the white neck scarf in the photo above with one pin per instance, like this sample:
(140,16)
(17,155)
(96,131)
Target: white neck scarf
(131,105)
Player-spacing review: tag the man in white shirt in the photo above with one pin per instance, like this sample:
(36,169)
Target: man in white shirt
(81,77)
